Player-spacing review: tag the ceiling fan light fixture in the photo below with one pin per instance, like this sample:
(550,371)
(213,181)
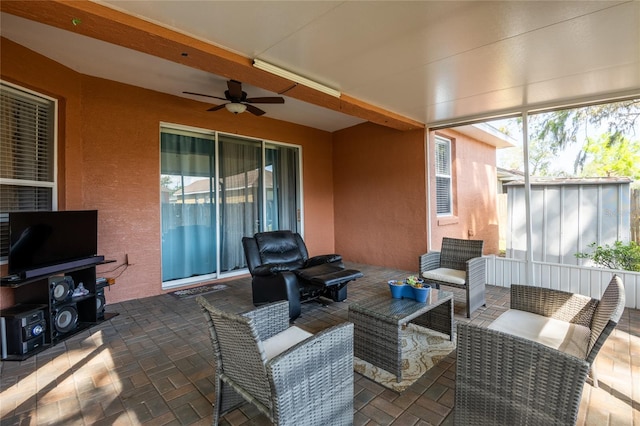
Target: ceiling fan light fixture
(264,66)
(235,107)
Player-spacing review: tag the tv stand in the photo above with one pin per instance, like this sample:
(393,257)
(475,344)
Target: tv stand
(46,313)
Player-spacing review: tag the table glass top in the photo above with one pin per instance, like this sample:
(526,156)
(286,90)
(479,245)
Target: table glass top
(385,306)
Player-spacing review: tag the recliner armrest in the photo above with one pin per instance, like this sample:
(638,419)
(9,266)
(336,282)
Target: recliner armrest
(271,269)
(323,258)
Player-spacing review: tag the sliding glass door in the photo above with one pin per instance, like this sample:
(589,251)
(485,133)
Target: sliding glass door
(258,189)
(282,188)
(240,197)
(188,205)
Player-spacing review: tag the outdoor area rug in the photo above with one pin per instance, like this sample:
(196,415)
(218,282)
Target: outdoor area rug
(197,291)
(422,349)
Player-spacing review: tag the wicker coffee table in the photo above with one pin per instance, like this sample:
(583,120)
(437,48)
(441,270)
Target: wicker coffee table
(379,321)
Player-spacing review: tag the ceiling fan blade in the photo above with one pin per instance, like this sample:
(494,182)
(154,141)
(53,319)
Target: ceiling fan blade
(266,100)
(217,107)
(254,110)
(235,95)
(235,89)
(200,94)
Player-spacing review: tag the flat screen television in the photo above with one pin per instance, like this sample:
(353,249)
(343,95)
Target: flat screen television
(41,240)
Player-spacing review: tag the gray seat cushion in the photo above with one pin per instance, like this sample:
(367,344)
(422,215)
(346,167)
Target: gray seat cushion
(446,275)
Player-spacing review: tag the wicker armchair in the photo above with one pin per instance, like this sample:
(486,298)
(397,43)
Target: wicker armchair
(290,375)
(460,264)
(507,379)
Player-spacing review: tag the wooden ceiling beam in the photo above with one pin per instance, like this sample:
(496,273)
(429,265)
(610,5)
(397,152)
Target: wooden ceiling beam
(103,23)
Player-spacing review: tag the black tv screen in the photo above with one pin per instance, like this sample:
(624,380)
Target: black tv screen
(44,238)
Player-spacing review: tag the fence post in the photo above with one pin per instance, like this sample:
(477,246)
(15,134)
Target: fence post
(635,215)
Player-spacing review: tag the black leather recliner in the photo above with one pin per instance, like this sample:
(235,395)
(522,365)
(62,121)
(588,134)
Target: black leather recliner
(282,270)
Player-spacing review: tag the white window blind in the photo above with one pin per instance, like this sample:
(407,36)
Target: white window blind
(27,151)
(443,176)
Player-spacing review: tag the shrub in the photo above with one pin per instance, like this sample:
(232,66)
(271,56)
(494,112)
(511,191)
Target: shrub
(618,256)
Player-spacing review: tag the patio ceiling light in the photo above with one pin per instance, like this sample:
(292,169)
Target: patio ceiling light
(264,66)
(235,108)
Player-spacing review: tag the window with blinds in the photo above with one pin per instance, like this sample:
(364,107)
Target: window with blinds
(443,176)
(27,151)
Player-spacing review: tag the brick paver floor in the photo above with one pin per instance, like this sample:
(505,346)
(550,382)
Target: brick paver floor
(152,364)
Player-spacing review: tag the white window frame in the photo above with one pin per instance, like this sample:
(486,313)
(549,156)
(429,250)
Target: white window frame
(441,172)
(52,184)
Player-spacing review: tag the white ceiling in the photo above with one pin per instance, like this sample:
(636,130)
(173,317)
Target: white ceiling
(431,61)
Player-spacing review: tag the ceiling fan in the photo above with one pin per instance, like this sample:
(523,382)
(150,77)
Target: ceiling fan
(238,101)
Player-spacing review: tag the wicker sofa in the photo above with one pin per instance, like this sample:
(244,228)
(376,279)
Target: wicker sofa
(530,365)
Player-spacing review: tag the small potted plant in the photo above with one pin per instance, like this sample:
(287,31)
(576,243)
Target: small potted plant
(414,281)
(411,288)
(398,288)
(420,291)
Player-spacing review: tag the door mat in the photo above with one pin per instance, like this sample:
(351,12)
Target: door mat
(197,291)
(421,349)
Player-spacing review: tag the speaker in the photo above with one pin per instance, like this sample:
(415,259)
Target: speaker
(64,319)
(60,288)
(101,302)
(22,329)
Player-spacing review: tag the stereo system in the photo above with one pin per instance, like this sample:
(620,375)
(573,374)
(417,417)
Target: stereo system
(22,329)
(52,262)
(53,309)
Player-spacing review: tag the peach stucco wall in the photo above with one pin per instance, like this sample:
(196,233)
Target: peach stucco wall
(364,187)
(379,191)
(109,160)
(474,192)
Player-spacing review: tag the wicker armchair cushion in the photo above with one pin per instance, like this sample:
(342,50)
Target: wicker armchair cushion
(279,343)
(567,337)
(447,275)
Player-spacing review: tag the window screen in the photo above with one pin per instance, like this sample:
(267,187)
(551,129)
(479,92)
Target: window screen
(27,151)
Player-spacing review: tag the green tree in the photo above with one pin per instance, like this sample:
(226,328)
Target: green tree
(165,182)
(606,158)
(557,130)
(540,158)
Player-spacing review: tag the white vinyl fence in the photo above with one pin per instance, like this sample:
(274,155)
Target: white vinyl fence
(591,282)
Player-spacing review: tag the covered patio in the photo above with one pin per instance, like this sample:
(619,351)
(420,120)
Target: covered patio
(152,364)
(367,173)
